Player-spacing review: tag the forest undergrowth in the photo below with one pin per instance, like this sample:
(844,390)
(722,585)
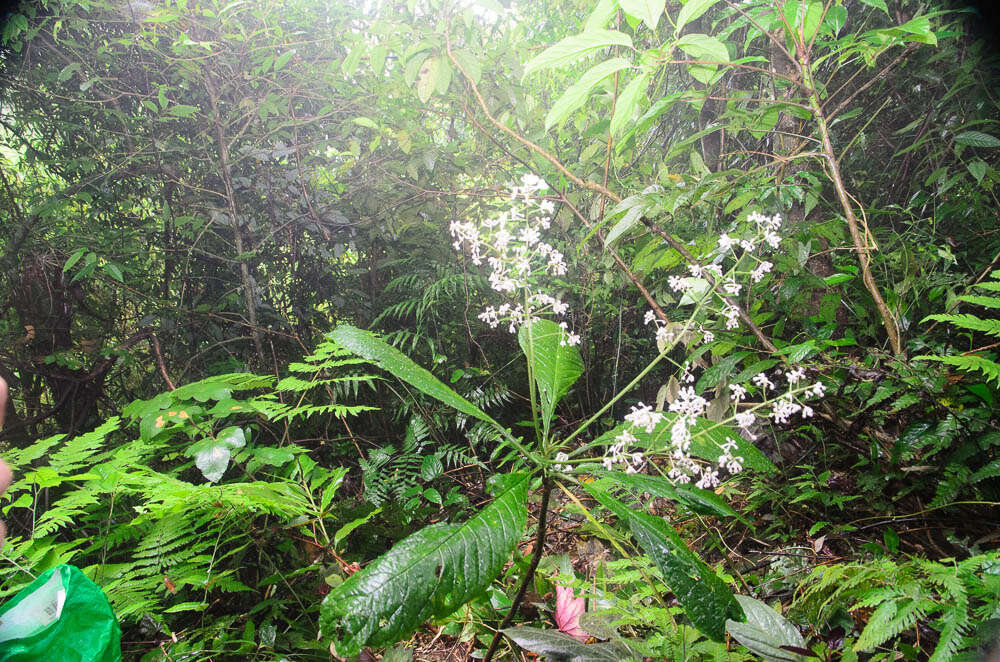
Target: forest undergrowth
(585,330)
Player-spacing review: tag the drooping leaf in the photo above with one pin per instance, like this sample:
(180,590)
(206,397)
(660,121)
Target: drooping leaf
(367,345)
(766,631)
(692,10)
(879,4)
(706,599)
(182,110)
(703,47)
(628,102)
(428,77)
(577,94)
(556,365)
(430,573)
(648,11)
(600,15)
(559,647)
(977,139)
(572,48)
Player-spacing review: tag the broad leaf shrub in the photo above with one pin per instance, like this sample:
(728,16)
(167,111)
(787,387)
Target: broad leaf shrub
(434,571)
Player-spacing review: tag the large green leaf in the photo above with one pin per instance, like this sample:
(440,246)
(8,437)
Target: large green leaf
(367,345)
(556,366)
(577,94)
(977,139)
(428,574)
(706,599)
(560,647)
(766,631)
(571,49)
(703,47)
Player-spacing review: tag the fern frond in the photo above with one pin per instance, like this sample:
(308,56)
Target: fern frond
(970,363)
(985,302)
(879,628)
(967,321)
(955,622)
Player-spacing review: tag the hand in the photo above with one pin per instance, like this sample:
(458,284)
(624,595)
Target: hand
(5,475)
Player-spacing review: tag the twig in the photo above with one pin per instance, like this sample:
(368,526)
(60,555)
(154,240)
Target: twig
(159,361)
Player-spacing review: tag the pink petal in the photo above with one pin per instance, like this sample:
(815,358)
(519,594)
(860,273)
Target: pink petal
(568,611)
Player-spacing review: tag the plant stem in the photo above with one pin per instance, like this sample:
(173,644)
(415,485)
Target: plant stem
(861,246)
(530,574)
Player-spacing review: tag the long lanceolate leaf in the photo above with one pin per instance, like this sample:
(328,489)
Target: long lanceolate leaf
(706,599)
(368,345)
(428,574)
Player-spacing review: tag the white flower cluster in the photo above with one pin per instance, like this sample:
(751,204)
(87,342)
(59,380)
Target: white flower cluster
(618,454)
(688,407)
(763,232)
(511,244)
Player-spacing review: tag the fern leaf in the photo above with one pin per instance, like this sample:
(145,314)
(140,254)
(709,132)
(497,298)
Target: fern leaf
(969,363)
(991,470)
(955,621)
(985,302)
(879,627)
(967,321)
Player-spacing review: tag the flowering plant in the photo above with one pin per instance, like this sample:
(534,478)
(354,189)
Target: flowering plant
(681,448)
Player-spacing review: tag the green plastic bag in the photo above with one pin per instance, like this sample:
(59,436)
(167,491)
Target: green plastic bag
(63,616)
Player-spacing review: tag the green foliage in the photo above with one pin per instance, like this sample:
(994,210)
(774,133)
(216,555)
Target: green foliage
(707,601)
(948,596)
(196,191)
(430,573)
(972,362)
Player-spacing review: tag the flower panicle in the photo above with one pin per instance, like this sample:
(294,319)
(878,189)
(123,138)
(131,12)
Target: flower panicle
(511,244)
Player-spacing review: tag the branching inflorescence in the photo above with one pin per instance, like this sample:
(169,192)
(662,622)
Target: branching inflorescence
(511,244)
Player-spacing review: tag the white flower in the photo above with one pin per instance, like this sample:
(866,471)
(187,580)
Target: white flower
(709,479)
(772,238)
(532,182)
(650,317)
(818,389)
(760,379)
(758,273)
(561,457)
(643,416)
(725,242)
(795,376)
(689,403)
(546,206)
(732,315)
(529,236)
(738,392)
(664,335)
(745,419)
(678,284)
(731,287)
(784,408)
